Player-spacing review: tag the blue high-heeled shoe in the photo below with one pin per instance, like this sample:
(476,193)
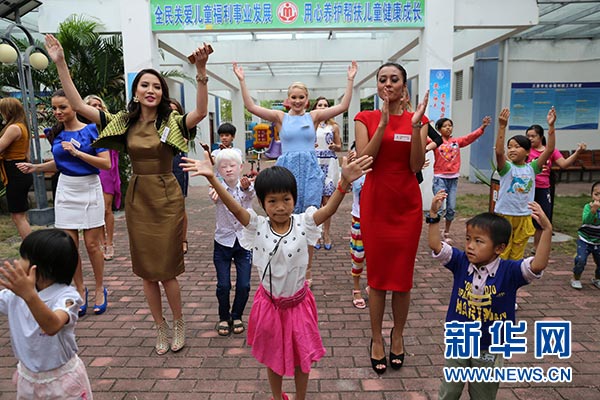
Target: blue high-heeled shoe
(100,309)
(83,308)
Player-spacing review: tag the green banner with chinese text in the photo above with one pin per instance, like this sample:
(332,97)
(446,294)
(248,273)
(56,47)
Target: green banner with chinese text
(264,15)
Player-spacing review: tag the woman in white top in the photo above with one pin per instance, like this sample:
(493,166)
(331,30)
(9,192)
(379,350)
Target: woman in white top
(328,142)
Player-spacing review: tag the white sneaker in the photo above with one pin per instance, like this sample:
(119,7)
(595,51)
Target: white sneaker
(576,284)
(516,306)
(596,282)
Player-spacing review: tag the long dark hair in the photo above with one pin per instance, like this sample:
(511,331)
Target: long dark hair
(395,65)
(59,126)
(164,107)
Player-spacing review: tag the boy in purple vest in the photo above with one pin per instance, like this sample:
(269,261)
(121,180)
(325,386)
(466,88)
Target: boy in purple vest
(484,287)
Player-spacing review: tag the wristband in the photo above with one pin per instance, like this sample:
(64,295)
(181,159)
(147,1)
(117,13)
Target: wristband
(417,125)
(202,78)
(342,191)
(435,220)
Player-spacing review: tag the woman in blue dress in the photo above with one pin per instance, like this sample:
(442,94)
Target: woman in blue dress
(297,134)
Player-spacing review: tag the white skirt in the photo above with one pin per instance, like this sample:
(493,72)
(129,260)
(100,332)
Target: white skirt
(79,203)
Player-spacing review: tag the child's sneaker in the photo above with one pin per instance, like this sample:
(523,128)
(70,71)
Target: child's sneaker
(596,282)
(576,284)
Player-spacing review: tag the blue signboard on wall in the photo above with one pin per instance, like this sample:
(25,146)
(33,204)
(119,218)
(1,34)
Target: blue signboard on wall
(439,94)
(577,104)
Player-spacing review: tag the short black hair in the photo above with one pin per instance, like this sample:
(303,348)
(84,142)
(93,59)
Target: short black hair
(54,253)
(275,180)
(440,122)
(594,185)
(497,227)
(522,141)
(226,128)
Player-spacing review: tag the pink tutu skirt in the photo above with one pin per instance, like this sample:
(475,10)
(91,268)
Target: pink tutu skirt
(284,332)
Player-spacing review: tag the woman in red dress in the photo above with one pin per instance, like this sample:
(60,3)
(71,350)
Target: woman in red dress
(391,208)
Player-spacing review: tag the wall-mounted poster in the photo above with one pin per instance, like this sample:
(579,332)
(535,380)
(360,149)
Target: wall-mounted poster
(577,104)
(439,94)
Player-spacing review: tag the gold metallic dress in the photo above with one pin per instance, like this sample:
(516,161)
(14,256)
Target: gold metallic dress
(154,207)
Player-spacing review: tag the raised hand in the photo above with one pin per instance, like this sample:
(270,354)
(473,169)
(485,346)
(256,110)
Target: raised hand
(352,70)
(487,120)
(15,278)
(436,202)
(198,167)
(238,71)
(539,216)
(551,117)
(420,110)
(357,168)
(581,147)
(351,155)
(385,109)
(201,55)
(503,117)
(54,48)
(245,182)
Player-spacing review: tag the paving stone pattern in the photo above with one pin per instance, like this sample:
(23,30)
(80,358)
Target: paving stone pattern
(118,347)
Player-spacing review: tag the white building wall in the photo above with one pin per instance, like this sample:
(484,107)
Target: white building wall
(461,110)
(535,61)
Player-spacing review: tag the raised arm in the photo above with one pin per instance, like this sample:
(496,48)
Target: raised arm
(337,109)
(261,112)
(205,168)
(56,53)
(435,240)
(542,252)
(567,162)
(22,283)
(350,172)
(201,110)
(370,147)
(499,149)
(551,139)
(419,136)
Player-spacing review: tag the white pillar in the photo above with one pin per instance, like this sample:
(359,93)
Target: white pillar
(140,45)
(436,48)
(237,115)
(353,109)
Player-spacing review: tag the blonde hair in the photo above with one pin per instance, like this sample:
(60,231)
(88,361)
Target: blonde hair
(88,99)
(297,85)
(228,155)
(13,112)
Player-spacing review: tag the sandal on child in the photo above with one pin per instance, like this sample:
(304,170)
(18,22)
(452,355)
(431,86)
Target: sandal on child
(223,328)
(238,326)
(284,396)
(358,303)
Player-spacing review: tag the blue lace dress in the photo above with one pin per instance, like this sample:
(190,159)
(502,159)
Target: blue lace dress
(298,155)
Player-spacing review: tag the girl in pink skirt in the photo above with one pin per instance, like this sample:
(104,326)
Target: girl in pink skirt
(283,327)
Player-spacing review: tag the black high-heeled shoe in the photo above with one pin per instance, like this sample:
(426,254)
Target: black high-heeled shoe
(376,364)
(396,360)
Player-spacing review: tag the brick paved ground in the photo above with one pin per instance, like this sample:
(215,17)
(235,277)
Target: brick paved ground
(117,347)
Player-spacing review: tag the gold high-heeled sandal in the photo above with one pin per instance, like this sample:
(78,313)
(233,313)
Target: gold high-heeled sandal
(162,340)
(178,335)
